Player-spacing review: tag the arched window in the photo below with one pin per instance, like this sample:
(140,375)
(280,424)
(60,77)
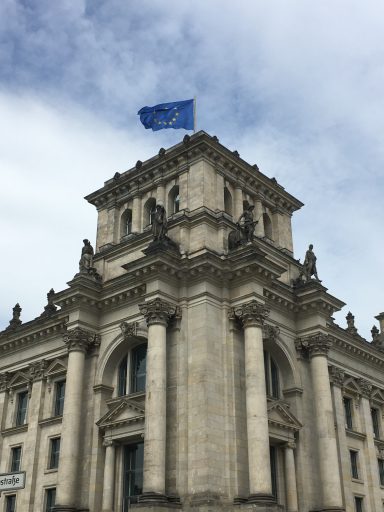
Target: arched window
(132,371)
(173,200)
(267,226)
(126,223)
(272,381)
(149,211)
(227,201)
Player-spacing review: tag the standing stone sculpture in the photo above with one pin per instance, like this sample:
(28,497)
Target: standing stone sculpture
(245,228)
(159,225)
(86,260)
(309,265)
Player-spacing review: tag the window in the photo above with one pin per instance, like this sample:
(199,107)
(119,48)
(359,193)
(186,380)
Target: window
(271,376)
(375,422)
(358,504)
(10,503)
(149,211)
(173,200)
(126,223)
(16,458)
(21,411)
(348,412)
(132,474)
(59,398)
(54,453)
(135,363)
(273,459)
(354,467)
(227,201)
(50,499)
(380,463)
(267,226)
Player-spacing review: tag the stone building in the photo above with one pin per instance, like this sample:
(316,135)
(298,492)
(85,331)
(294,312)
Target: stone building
(192,363)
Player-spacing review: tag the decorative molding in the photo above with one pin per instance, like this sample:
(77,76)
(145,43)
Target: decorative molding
(108,442)
(79,339)
(37,370)
(157,311)
(270,332)
(365,387)
(314,345)
(4,379)
(250,314)
(128,329)
(336,376)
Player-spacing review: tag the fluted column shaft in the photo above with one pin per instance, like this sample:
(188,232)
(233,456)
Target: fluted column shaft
(290,477)
(136,215)
(109,476)
(77,341)
(318,346)
(238,203)
(259,229)
(252,316)
(157,313)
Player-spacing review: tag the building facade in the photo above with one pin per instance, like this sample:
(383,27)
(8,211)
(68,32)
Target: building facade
(192,363)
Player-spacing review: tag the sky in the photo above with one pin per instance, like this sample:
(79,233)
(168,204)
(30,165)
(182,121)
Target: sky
(294,86)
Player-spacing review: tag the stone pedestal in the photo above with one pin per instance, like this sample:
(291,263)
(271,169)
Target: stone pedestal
(252,316)
(78,341)
(157,313)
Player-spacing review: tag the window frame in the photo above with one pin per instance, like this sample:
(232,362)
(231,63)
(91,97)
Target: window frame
(348,412)
(272,377)
(380,464)
(376,426)
(54,455)
(354,464)
(58,401)
(12,458)
(126,474)
(6,505)
(47,506)
(360,500)
(21,412)
(126,383)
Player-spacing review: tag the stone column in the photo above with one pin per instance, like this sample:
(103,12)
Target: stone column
(238,206)
(318,346)
(160,195)
(290,477)
(259,229)
(109,475)
(157,313)
(252,316)
(78,341)
(136,215)
(373,480)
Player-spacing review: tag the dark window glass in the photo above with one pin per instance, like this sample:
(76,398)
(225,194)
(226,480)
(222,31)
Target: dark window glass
(16,458)
(22,403)
(266,370)
(271,376)
(150,207)
(358,504)
(59,398)
(50,499)
(381,470)
(375,422)
(54,453)
(354,468)
(348,412)
(10,503)
(128,222)
(273,459)
(122,378)
(274,379)
(227,201)
(133,474)
(176,204)
(139,368)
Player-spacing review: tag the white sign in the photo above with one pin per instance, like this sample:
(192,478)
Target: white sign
(12,481)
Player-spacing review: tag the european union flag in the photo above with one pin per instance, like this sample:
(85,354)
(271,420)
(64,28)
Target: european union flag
(178,114)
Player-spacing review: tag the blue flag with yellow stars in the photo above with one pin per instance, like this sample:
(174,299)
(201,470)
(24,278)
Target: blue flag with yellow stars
(178,114)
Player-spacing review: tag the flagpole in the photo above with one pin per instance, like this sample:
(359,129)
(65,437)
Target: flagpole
(194,114)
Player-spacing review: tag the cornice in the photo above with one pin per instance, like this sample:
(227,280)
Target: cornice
(177,159)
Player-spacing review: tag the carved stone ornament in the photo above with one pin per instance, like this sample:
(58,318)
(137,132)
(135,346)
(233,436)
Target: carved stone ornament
(80,339)
(270,332)
(15,322)
(157,311)
(351,323)
(4,378)
(128,329)
(336,376)
(375,333)
(251,313)
(107,442)
(37,370)
(365,387)
(50,308)
(290,445)
(316,344)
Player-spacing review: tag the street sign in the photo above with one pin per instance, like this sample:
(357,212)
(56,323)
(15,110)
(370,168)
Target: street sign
(12,481)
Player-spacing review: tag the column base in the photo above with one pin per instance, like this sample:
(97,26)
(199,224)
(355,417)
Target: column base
(329,509)
(155,499)
(64,508)
(262,499)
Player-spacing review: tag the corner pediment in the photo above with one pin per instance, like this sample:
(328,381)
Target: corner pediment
(125,411)
(280,415)
(57,367)
(20,379)
(351,385)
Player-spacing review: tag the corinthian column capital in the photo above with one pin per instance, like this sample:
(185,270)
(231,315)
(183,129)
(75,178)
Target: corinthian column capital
(157,311)
(251,314)
(80,340)
(314,345)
